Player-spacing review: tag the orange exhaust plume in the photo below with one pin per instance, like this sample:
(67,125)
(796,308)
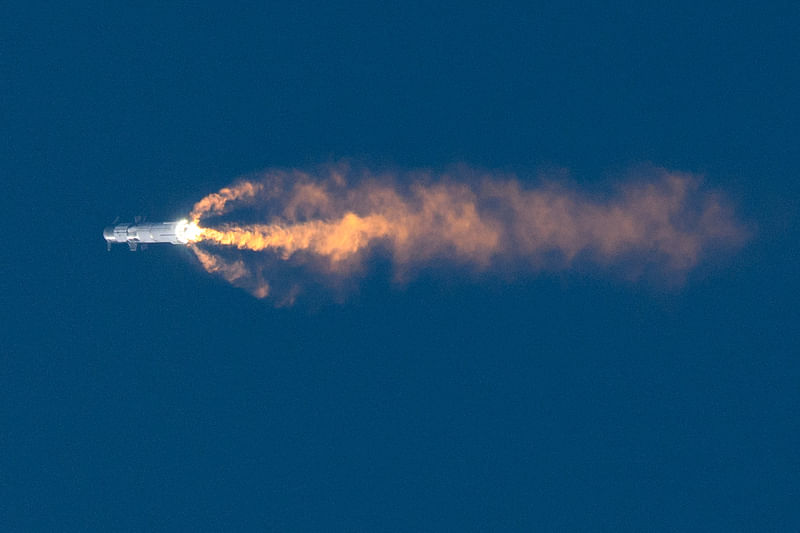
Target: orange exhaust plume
(215,203)
(330,224)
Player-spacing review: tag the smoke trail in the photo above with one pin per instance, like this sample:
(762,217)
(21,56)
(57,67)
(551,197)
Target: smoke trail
(327,224)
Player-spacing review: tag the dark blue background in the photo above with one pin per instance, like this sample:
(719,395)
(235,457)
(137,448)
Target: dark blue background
(139,393)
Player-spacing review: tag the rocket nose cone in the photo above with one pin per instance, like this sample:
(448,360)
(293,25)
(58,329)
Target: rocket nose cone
(108,234)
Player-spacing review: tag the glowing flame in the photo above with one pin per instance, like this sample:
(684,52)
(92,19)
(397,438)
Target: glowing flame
(188,231)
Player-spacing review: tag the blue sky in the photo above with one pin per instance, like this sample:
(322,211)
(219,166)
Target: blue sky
(138,392)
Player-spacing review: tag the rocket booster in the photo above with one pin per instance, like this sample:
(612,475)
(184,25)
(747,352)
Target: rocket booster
(136,234)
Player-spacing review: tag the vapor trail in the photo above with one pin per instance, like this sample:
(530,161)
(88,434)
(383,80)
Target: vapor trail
(329,222)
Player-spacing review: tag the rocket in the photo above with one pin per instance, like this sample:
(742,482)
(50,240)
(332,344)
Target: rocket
(141,233)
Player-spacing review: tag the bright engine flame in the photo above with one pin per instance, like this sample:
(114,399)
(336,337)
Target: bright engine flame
(188,231)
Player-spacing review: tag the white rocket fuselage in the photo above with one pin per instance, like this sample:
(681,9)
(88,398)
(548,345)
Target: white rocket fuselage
(147,233)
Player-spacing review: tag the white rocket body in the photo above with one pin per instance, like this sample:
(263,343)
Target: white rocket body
(147,233)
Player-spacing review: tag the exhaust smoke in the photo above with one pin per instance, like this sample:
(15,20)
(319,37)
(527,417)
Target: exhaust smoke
(324,225)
